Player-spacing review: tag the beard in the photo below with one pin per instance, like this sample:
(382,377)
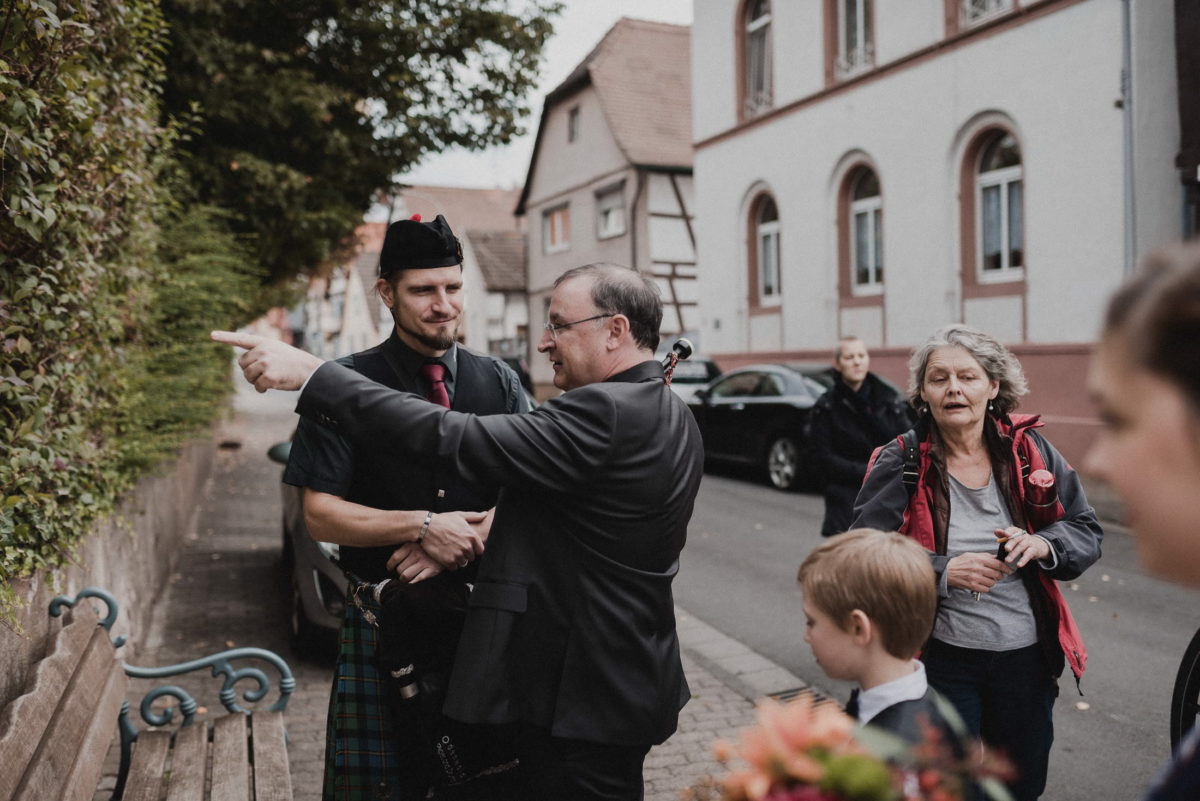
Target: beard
(441,341)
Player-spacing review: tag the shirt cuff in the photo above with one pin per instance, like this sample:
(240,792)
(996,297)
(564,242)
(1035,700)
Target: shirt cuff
(305,384)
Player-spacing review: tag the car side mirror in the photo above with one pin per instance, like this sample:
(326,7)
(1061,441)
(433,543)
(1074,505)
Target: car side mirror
(702,395)
(279,452)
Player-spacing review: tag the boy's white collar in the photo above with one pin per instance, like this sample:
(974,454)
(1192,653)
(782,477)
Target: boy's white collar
(906,688)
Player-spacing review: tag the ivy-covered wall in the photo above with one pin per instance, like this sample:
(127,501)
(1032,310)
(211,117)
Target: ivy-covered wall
(107,284)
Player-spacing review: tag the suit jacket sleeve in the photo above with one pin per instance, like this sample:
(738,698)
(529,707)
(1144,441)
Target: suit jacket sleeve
(556,447)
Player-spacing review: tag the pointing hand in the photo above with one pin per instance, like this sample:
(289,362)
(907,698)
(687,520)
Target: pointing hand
(269,363)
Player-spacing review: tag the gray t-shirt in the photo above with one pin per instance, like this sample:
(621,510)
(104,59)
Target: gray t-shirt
(1002,619)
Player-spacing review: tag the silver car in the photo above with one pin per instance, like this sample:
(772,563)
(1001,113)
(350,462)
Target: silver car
(315,585)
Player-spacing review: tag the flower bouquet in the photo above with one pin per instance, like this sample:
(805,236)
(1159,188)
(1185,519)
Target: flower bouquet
(806,750)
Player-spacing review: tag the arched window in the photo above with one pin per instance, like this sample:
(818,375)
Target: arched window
(1000,219)
(764,252)
(866,233)
(756,50)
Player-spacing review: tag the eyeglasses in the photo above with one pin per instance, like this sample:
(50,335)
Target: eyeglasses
(554,328)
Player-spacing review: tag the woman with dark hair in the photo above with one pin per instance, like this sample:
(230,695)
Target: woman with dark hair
(972,483)
(1145,377)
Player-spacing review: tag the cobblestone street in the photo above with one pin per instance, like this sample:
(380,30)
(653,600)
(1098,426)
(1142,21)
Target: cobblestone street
(228,591)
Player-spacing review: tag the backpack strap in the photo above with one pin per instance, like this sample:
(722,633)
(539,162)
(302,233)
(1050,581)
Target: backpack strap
(910,444)
(912,461)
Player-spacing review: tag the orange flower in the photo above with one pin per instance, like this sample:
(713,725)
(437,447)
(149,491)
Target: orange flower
(746,785)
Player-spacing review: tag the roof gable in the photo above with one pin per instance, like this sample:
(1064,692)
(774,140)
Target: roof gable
(641,72)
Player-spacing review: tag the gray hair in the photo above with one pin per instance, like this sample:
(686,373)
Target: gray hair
(621,290)
(995,359)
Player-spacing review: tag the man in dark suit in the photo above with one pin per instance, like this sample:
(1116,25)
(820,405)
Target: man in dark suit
(372,503)
(571,630)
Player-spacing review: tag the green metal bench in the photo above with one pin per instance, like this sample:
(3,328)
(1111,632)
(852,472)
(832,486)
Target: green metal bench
(54,738)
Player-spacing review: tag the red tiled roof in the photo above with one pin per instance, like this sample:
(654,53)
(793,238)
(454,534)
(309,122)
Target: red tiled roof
(642,73)
(465,209)
(501,257)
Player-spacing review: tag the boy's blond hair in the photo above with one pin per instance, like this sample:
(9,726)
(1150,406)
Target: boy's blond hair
(882,573)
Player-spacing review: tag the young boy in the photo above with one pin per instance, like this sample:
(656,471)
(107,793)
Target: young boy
(869,603)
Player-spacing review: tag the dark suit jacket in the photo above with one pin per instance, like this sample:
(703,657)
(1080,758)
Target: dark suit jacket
(572,623)
(919,720)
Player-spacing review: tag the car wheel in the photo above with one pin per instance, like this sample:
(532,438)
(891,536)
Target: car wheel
(783,463)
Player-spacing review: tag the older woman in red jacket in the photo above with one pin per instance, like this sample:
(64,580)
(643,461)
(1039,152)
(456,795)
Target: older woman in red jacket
(1003,516)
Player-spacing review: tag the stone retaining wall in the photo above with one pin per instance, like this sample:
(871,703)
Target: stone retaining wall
(131,554)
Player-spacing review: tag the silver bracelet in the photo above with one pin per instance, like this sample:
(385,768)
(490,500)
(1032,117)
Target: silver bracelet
(425,527)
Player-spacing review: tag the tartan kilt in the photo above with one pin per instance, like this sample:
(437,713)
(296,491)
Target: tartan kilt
(361,761)
(362,755)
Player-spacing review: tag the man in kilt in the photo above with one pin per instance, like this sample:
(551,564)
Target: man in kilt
(379,508)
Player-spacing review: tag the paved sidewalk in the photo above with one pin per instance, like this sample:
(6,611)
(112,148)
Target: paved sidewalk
(227,591)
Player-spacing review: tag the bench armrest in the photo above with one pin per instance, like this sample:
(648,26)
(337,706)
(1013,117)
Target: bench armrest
(221,664)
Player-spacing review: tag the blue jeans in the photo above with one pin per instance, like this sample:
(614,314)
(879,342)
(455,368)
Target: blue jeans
(1007,699)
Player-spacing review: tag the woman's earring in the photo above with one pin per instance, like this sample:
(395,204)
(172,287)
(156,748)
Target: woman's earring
(923,409)
(991,408)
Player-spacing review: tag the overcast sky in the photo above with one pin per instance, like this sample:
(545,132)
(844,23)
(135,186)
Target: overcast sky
(576,32)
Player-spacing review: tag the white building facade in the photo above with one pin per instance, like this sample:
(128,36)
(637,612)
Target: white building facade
(880,169)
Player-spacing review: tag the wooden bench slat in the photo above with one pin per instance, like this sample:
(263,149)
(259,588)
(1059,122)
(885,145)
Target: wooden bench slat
(188,762)
(55,736)
(66,735)
(272,779)
(35,708)
(146,768)
(89,762)
(230,756)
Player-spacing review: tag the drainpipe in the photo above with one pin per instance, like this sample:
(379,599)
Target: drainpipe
(1127,120)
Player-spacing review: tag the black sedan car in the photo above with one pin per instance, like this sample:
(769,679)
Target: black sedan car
(757,415)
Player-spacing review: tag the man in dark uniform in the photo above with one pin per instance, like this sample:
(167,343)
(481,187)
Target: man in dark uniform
(846,424)
(372,501)
(570,635)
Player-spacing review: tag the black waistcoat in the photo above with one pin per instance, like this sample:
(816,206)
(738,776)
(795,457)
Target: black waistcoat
(386,481)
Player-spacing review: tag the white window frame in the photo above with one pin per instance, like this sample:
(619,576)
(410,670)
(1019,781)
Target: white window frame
(610,212)
(759,101)
(1004,178)
(768,232)
(862,58)
(976,12)
(872,209)
(556,229)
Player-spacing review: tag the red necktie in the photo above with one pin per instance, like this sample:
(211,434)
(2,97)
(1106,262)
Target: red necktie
(435,374)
